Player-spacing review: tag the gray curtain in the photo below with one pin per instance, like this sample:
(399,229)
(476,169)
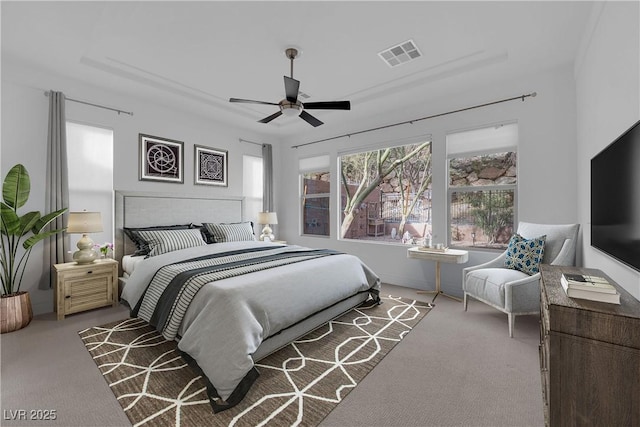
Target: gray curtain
(57,247)
(267,182)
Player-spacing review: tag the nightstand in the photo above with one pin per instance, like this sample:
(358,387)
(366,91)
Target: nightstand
(80,287)
(279,242)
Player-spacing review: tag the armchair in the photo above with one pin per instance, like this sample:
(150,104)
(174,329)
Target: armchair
(514,292)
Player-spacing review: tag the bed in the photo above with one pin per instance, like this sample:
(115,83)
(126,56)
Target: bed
(230,304)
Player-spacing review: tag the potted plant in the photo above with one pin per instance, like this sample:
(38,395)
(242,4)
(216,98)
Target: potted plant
(16,231)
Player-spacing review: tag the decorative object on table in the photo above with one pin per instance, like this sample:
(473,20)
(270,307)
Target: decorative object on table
(104,249)
(161,159)
(267,218)
(587,283)
(591,288)
(435,249)
(19,231)
(210,166)
(84,223)
(516,292)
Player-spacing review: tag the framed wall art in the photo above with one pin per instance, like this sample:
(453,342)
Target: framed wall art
(210,166)
(161,159)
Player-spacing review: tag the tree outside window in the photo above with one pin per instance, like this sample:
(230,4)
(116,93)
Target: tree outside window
(385,193)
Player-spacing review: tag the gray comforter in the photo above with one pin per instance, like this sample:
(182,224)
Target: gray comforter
(228,319)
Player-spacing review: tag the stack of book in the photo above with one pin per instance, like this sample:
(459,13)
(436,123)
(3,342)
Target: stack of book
(593,288)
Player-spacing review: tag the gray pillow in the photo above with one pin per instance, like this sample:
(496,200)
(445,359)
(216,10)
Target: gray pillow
(163,241)
(233,232)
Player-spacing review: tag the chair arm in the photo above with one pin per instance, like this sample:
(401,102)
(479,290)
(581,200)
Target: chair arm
(494,263)
(567,254)
(523,295)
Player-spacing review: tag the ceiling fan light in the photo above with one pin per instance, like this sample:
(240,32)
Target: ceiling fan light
(290,110)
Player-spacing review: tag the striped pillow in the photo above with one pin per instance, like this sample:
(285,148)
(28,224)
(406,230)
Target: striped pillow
(163,241)
(235,232)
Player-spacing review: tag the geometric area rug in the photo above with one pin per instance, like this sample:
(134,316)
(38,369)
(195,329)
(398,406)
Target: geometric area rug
(298,385)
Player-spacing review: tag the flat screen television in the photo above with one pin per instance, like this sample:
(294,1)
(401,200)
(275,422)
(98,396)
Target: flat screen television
(615,198)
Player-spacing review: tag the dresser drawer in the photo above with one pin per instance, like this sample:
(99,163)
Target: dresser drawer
(85,293)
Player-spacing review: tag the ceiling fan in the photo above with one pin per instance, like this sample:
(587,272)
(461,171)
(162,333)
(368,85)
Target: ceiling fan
(291,106)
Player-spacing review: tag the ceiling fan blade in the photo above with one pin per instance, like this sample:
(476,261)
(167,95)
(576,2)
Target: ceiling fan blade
(251,101)
(329,105)
(310,119)
(291,88)
(271,117)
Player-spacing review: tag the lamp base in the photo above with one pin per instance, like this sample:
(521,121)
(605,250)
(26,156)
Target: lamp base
(85,253)
(267,234)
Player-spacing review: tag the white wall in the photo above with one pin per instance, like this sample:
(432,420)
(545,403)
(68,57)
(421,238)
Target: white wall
(24,140)
(546,162)
(607,78)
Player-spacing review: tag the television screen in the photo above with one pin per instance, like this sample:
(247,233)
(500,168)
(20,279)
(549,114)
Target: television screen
(615,198)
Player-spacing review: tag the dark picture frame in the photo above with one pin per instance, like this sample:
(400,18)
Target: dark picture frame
(210,166)
(161,159)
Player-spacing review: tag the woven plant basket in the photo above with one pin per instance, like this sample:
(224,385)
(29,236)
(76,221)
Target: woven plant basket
(15,311)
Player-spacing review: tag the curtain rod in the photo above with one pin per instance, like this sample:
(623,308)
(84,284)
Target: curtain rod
(250,142)
(522,97)
(94,105)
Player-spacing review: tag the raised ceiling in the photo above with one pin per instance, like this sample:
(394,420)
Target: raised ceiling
(196,55)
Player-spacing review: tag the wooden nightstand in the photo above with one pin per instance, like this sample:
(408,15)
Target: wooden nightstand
(80,287)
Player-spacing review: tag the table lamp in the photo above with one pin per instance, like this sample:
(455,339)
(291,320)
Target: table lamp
(267,218)
(83,223)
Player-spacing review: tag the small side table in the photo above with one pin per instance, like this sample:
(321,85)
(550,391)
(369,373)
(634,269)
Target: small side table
(80,287)
(456,256)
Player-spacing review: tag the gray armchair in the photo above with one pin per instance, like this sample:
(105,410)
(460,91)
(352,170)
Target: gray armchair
(514,292)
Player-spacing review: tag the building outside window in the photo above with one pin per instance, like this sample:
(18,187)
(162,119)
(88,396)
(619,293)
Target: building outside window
(482,190)
(315,194)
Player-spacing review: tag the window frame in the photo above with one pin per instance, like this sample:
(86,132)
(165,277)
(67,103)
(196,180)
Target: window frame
(301,196)
(472,189)
(381,145)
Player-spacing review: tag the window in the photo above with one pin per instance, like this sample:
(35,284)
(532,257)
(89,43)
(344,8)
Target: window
(90,170)
(385,194)
(315,191)
(252,179)
(482,168)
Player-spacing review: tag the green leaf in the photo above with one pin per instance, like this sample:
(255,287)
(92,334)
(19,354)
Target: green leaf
(16,187)
(10,220)
(37,237)
(27,221)
(45,220)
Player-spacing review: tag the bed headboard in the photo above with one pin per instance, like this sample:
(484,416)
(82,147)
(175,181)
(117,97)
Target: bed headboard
(141,209)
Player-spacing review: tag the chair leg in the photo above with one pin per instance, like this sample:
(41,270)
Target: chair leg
(512,318)
(464,301)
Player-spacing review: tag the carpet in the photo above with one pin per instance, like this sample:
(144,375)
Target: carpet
(298,385)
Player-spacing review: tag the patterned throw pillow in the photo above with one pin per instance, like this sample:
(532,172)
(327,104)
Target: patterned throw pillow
(142,246)
(234,232)
(163,241)
(525,255)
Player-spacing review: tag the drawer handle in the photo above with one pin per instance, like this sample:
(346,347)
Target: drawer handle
(89,272)
(67,297)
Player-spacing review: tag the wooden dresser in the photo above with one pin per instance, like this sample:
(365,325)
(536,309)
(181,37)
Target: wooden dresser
(589,355)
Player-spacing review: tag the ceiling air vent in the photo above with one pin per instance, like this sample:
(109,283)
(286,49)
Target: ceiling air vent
(400,54)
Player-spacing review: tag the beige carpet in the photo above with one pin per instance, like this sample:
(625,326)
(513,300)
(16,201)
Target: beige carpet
(298,385)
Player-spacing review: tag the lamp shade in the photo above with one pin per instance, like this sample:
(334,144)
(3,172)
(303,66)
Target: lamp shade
(267,218)
(84,222)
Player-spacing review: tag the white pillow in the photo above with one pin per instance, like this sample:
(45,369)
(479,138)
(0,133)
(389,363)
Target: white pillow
(234,232)
(163,241)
